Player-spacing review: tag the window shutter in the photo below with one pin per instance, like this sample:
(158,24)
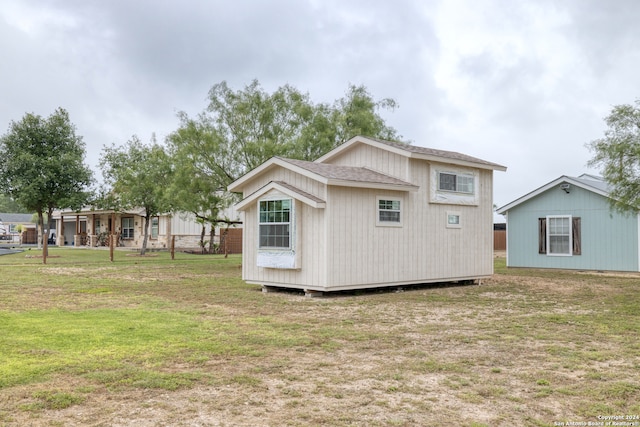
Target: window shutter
(576,235)
(542,235)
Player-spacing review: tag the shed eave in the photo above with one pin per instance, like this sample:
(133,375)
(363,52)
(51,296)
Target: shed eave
(298,195)
(458,162)
(237,185)
(373,185)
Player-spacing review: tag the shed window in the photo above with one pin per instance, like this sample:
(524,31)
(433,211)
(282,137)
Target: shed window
(453,220)
(559,235)
(127,228)
(388,211)
(457,183)
(275,224)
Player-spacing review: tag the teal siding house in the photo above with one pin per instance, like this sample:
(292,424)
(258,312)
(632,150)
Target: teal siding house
(569,224)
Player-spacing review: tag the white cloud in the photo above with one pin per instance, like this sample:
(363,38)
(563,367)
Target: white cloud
(525,84)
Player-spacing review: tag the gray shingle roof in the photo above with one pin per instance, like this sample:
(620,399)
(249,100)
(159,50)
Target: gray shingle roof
(299,191)
(347,173)
(435,152)
(15,217)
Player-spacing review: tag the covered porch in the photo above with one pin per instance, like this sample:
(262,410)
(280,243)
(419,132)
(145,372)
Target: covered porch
(94,228)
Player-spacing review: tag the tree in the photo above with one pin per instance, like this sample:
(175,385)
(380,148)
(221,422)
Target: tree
(242,129)
(357,114)
(43,166)
(618,154)
(138,176)
(8,205)
(203,169)
(255,125)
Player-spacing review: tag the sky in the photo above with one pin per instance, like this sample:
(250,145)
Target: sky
(525,84)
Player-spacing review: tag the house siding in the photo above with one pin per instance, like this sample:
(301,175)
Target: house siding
(422,250)
(341,246)
(302,182)
(310,247)
(384,161)
(609,238)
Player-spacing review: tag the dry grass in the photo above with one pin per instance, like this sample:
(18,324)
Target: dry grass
(528,347)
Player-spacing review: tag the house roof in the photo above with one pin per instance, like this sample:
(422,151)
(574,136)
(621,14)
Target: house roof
(348,176)
(588,182)
(416,152)
(351,174)
(285,188)
(15,217)
(87,210)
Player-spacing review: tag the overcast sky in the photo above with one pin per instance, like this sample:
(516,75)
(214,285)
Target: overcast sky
(521,83)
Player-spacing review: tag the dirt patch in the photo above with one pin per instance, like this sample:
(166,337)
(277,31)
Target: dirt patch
(40,256)
(500,354)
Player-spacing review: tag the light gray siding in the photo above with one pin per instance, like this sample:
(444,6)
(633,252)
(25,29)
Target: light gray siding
(424,249)
(309,185)
(384,161)
(310,244)
(342,245)
(609,239)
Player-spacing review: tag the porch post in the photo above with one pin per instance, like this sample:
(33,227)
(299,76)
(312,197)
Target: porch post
(112,235)
(76,237)
(93,238)
(61,231)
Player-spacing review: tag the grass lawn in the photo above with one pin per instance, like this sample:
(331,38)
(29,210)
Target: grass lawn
(150,341)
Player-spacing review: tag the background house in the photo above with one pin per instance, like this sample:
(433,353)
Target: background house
(89,227)
(568,223)
(369,213)
(9,233)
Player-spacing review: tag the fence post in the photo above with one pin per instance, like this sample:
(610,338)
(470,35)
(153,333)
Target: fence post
(111,238)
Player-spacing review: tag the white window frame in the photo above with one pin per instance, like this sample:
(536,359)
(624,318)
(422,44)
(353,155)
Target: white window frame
(131,228)
(388,223)
(450,216)
(155,219)
(459,187)
(569,234)
(267,223)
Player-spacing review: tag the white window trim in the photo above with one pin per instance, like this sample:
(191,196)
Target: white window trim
(132,228)
(388,223)
(151,236)
(453,197)
(454,213)
(549,217)
(458,174)
(276,257)
(290,223)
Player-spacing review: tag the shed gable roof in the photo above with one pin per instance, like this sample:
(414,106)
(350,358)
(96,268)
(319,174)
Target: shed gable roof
(588,182)
(415,152)
(285,188)
(328,174)
(353,174)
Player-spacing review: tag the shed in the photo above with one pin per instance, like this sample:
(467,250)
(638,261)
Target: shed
(568,223)
(369,213)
